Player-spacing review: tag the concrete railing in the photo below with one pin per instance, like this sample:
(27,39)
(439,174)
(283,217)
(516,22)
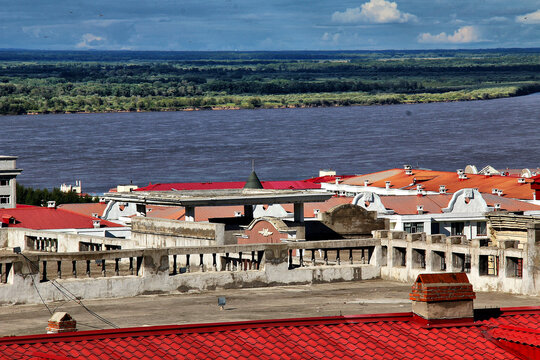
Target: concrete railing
(35,275)
(508,266)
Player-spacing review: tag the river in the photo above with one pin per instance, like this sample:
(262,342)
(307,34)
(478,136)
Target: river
(103,150)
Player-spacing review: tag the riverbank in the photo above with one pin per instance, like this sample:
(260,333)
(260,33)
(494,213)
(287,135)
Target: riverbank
(307,100)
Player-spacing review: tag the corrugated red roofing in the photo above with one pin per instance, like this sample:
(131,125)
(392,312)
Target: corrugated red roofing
(274,185)
(384,336)
(41,218)
(431,180)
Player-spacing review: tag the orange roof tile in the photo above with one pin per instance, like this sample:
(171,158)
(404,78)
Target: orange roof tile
(430,181)
(433,204)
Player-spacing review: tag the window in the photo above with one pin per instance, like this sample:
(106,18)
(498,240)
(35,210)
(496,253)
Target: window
(461,262)
(514,267)
(4,199)
(457,228)
(4,181)
(413,227)
(439,260)
(400,256)
(435,229)
(419,258)
(488,265)
(481,229)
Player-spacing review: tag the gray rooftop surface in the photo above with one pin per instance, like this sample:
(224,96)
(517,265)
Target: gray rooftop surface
(220,197)
(346,298)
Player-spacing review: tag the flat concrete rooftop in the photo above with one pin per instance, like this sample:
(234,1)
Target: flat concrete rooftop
(347,298)
(219,197)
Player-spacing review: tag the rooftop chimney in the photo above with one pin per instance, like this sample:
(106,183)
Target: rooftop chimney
(61,322)
(418,190)
(366,182)
(442,189)
(442,298)
(96,223)
(387,184)
(51,204)
(420,209)
(497,206)
(521,180)
(408,172)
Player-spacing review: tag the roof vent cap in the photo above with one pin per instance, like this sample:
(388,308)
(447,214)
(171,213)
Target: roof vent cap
(51,204)
(407,167)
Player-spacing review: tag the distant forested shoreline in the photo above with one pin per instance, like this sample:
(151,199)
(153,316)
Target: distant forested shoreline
(39,82)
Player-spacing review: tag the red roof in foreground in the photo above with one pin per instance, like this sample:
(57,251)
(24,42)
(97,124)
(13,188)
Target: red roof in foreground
(383,336)
(41,218)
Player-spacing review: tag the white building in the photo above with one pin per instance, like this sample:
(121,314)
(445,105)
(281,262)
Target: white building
(462,213)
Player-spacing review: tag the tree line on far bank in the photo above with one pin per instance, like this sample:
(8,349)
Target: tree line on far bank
(40,197)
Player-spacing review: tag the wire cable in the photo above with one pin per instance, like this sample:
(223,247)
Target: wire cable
(67,294)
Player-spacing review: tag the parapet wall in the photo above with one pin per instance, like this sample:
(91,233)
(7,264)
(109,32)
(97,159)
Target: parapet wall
(159,233)
(120,273)
(508,266)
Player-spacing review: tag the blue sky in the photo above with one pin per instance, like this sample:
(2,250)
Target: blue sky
(268,24)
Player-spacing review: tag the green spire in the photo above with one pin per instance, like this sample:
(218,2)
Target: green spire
(253,182)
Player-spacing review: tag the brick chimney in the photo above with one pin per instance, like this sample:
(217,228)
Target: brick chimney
(445,298)
(61,322)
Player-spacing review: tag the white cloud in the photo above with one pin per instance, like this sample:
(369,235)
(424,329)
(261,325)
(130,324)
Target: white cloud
(530,18)
(90,40)
(374,11)
(497,19)
(330,37)
(465,34)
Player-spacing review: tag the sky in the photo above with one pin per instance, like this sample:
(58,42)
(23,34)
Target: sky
(268,24)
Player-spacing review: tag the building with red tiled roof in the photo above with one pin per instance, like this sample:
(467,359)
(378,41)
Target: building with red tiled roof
(431,331)
(52,218)
(462,213)
(408,181)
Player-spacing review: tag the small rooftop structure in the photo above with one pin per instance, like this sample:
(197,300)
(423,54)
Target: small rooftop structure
(253,182)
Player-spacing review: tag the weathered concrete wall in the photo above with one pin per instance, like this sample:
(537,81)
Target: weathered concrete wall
(159,233)
(60,242)
(440,253)
(344,221)
(154,275)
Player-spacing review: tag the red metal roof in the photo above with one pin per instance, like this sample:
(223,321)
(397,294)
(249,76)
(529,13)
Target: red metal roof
(41,218)
(275,185)
(383,336)
(430,180)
